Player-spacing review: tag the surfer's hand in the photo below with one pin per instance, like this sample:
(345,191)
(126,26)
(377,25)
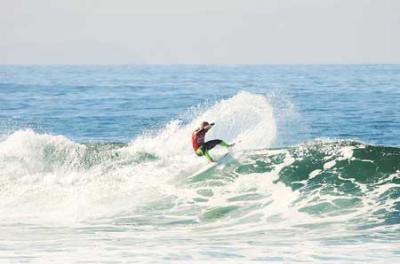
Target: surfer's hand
(209,126)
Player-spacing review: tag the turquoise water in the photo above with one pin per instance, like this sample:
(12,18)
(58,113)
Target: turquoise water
(96,164)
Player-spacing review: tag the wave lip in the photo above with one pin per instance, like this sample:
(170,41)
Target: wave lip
(245,117)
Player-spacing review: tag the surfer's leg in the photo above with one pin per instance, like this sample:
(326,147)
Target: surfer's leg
(212,143)
(200,151)
(207,155)
(224,144)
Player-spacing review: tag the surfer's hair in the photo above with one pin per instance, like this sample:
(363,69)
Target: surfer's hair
(204,123)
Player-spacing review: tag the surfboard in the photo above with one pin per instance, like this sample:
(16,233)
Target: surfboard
(203,171)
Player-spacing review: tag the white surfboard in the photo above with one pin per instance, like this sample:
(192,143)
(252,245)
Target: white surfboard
(212,165)
(219,162)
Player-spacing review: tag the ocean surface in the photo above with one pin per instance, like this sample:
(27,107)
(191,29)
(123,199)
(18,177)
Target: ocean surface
(96,164)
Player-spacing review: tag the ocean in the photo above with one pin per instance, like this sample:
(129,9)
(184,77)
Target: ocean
(96,164)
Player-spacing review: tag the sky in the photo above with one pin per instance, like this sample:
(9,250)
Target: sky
(199,31)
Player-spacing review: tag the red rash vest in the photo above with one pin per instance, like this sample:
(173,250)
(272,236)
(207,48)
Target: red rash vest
(198,138)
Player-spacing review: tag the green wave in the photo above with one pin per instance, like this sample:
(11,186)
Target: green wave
(332,178)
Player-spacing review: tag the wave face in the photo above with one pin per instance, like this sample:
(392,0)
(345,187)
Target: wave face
(319,187)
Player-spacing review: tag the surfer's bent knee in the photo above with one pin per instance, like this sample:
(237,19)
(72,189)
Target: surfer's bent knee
(199,152)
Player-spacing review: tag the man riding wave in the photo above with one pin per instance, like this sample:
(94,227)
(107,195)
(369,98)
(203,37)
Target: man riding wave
(201,147)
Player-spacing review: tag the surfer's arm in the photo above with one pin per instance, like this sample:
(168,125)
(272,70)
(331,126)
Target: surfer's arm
(197,131)
(204,129)
(209,126)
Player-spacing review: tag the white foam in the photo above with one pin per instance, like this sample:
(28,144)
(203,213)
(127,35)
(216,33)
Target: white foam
(314,173)
(245,117)
(47,178)
(329,164)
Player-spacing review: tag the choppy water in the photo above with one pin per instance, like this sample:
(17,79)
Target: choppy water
(96,164)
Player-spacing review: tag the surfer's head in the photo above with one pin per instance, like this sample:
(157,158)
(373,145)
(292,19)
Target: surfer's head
(204,124)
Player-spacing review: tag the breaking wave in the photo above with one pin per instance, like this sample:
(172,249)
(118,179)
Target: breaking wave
(153,180)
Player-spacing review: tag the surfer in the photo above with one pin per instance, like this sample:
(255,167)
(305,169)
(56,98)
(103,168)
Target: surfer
(201,147)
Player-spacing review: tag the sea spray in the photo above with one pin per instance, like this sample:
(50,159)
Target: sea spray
(50,178)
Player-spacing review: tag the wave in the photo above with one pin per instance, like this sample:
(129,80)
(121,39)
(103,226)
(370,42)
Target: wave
(152,180)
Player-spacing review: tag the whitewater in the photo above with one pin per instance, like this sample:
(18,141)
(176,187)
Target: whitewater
(321,200)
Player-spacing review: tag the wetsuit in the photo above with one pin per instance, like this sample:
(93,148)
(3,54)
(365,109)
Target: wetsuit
(201,147)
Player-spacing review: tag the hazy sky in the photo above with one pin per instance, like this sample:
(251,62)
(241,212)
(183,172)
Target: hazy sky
(199,31)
